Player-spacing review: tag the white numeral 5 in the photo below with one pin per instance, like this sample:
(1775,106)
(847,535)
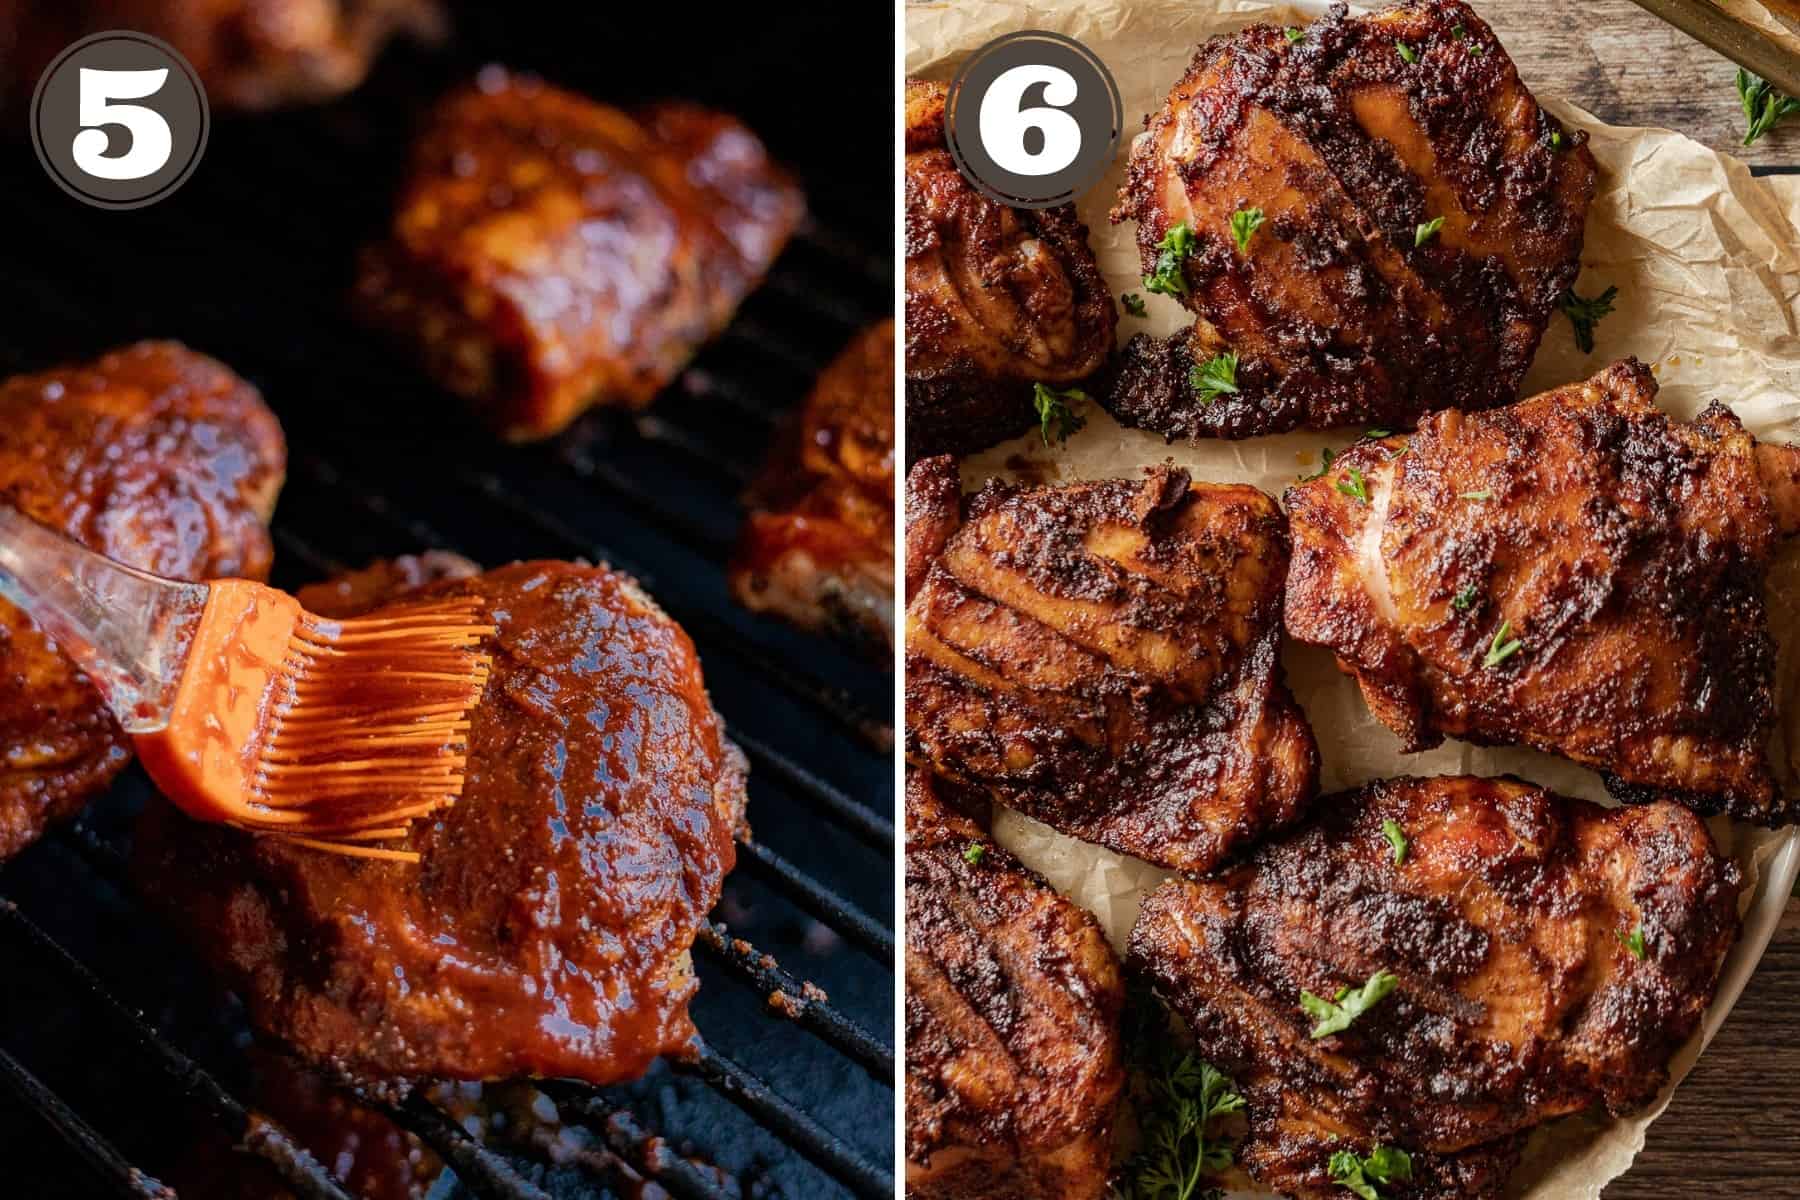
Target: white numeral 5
(151,139)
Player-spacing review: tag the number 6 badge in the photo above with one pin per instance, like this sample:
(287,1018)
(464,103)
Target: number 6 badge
(1033,119)
(119,119)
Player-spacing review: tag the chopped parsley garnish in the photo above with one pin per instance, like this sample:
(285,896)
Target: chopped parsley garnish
(1354,485)
(1396,837)
(1214,377)
(1503,647)
(974,853)
(1634,942)
(1134,304)
(1464,600)
(1556,139)
(1335,1015)
(1483,494)
(1170,276)
(1764,107)
(1407,52)
(1584,314)
(1053,409)
(1244,224)
(1325,457)
(1378,433)
(1427,231)
(1459,33)
(1294,33)
(1365,1176)
(1178,1098)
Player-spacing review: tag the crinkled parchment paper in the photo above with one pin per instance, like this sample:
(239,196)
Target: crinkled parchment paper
(1707,263)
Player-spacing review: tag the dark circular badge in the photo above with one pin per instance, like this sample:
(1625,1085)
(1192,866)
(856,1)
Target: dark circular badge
(1033,119)
(119,120)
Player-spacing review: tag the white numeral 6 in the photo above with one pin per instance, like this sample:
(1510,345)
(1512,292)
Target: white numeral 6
(1003,124)
(151,138)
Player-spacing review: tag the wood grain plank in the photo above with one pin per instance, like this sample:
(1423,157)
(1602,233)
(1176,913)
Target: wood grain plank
(1628,68)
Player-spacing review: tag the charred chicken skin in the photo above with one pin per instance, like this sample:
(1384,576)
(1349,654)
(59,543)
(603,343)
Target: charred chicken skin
(159,458)
(1102,656)
(1013,998)
(546,930)
(997,299)
(1578,572)
(1419,217)
(818,548)
(549,253)
(1545,956)
(250,54)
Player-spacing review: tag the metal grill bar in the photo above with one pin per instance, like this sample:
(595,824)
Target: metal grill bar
(658,431)
(816,1016)
(272,1144)
(486,1173)
(790,1124)
(99,1154)
(875,830)
(858,926)
(682,1179)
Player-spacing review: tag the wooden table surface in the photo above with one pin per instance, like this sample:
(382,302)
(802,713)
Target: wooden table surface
(1734,1126)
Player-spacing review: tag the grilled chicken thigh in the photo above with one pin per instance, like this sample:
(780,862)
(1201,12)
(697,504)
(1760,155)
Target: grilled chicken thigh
(818,548)
(546,930)
(1578,572)
(155,456)
(1102,656)
(997,299)
(1420,215)
(549,253)
(1548,956)
(250,54)
(1013,999)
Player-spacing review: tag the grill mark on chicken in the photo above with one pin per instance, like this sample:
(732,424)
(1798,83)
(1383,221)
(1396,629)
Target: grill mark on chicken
(1013,1054)
(1518,998)
(997,298)
(1103,657)
(1336,315)
(159,458)
(1624,550)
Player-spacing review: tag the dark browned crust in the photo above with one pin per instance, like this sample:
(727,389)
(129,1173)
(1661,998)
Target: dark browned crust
(1336,315)
(1013,1056)
(1518,998)
(817,547)
(984,322)
(933,511)
(549,253)
(1130,696)
(159,458)
(1627,551)
(546,930)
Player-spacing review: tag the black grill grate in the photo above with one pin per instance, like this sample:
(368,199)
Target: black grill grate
(110,1033)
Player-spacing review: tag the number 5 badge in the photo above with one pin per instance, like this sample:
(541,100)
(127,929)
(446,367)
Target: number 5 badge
(119,120)
(1033,119)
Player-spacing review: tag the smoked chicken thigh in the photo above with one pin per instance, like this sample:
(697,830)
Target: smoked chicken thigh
(549,253)
(1420,216)
(818,548)
(249,54)
(1548,955)
(546,930)
(1102,656)
(159,458)
(1013,997)
(997,299)
(1578,572)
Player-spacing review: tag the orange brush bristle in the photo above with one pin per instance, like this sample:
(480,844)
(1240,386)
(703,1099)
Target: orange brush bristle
(332,734)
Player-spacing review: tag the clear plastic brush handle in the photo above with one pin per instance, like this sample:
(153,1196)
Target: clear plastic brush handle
(126,629)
